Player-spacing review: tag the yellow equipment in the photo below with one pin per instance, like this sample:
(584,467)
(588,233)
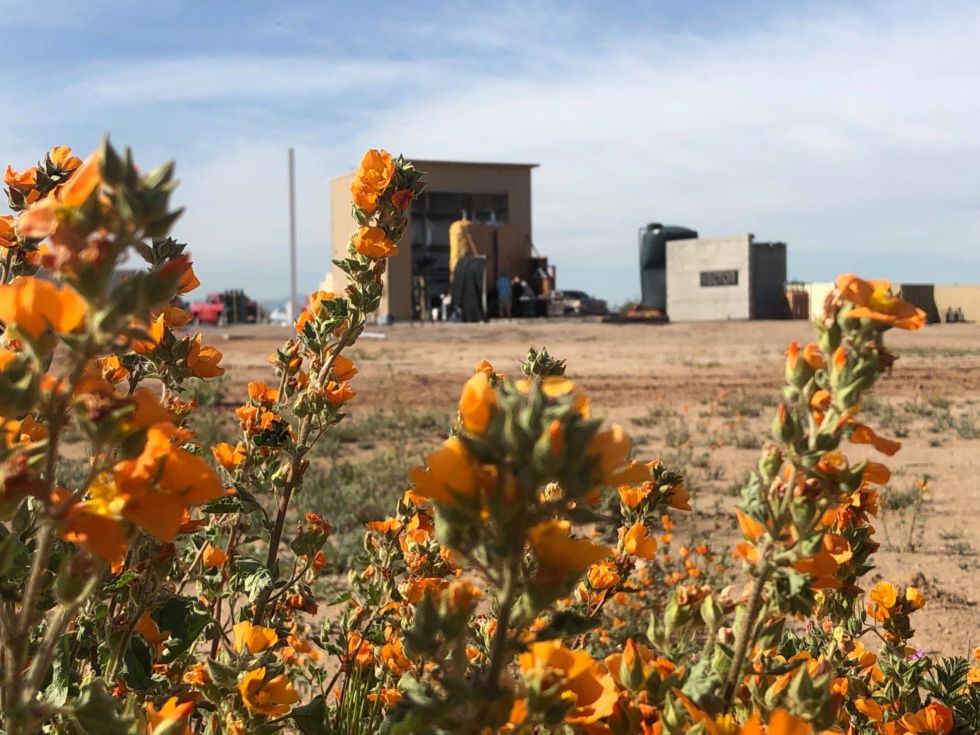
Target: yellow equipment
(461,242)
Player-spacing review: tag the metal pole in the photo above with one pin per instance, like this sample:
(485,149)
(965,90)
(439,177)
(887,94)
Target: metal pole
(292,236)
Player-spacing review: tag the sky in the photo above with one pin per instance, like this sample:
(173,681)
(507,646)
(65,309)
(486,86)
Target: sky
(850,131)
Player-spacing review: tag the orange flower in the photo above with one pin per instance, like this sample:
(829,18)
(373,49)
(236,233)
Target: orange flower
(343,368)
(393,656)
(34,305)
(196,675)
(639,542)
(8,237)
(389,525)
(22,180)
(44,216)
(272,698)
(935,718)
(259,392)
(869,708)
(554,386)
(88,525)
(781,722)
(451,472)
(874,300)
(174,316)
(821,566)
(338,393)
(255,638)
(316,302)
(884,593)
(229,456)
(821,399)
(111,369)
(633,654)
(604,575)
(861,434)
(61,156)
(611,449)
(476,403)
(416,588)
(939,718)
(402,198)
(213,557)
(150,632)
(557,551)
(914,598)
(168,716)
(679,498)
(372,178)
(373,242)
(185,480)
(875,473)
(202,360)
(188,280)
(584,684)
(751,528)
(359,651)
(632,495)
(155,330)
(813,357)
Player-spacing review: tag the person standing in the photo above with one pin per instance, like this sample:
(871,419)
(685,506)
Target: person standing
(504,296)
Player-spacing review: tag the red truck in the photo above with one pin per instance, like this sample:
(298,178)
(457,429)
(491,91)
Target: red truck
(226,307)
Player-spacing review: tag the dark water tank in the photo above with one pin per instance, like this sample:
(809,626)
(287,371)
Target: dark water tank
(653,261)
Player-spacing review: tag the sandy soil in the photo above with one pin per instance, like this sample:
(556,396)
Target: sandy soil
(700,395)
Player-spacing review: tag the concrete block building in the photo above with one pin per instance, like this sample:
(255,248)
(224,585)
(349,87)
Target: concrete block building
(496,197)
(732,277)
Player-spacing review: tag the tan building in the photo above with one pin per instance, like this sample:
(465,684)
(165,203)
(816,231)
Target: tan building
(496,197)
(944,302)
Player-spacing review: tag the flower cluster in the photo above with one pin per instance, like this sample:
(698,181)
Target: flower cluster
(529,580)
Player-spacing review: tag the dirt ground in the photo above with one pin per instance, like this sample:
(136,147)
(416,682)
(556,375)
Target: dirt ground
(702,396)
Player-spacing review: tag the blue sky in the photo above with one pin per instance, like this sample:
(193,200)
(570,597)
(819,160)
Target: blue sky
(850,131)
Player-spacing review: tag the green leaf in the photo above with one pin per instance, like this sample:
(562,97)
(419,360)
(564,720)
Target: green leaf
(138,665)
(241,501)
(252,575)
(57,690)
(184,618)
(311,719)
(95,712)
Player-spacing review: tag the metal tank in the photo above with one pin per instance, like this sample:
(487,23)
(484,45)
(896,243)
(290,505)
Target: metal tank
(653,261)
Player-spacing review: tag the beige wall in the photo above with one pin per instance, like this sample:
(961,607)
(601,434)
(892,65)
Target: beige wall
(966,297)
(441,176)
(818,293)
(687,299)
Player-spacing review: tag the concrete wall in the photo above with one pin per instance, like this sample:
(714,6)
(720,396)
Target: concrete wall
(687,299)
(441,176)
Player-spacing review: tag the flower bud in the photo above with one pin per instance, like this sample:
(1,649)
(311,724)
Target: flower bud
(783,426)
(770,460)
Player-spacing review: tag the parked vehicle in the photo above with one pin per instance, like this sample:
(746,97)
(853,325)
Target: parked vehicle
(226,307)
(575,303)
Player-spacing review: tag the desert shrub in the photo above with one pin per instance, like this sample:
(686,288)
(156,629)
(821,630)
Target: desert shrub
(169,579)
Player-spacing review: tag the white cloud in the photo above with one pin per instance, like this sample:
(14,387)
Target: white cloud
(854,134)
(221,77)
